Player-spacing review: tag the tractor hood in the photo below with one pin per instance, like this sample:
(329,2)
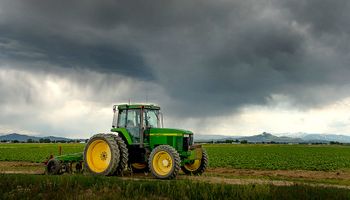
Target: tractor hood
(168,131)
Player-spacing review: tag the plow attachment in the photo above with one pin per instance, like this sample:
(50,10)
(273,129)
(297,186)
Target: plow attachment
(70,163)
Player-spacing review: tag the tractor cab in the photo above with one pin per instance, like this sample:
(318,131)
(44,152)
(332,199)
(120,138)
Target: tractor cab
(137,120)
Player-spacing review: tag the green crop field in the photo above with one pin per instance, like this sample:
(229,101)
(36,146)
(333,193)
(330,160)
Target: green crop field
(271,157)
(35,152)
(304,157)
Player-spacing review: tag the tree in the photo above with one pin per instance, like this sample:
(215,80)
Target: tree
(47,140)
(244,142)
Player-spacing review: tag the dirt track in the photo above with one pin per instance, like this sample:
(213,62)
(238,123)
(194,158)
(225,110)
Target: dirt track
(339,179)
(282,173)
(8,167)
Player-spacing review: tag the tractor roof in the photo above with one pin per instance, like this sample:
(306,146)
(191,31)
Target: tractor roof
(138,106)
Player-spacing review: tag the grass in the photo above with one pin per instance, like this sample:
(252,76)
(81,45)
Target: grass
(92,187)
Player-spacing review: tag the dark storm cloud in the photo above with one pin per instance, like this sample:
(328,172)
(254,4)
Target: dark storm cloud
(211,56)
(322,15)
(68,53)
(47,28)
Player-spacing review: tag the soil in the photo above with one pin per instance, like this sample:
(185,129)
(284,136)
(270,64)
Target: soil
(301,174)
(7,167)
(237,181)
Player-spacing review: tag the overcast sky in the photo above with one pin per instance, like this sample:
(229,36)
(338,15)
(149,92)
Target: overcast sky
(229,67)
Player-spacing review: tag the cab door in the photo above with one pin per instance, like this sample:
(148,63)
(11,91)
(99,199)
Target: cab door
(131,120)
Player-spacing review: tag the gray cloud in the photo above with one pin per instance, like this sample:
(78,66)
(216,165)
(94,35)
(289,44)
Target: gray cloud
(206,56)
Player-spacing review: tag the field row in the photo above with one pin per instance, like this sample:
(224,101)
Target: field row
(270,157)
(285,157)
(35,152)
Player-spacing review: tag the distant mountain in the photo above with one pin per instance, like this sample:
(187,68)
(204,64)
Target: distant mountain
(19,137)
(24,138)
(327,137)
(53,138)
(278,138)
(318,137)
(209,138)
(292,135)
(268,137)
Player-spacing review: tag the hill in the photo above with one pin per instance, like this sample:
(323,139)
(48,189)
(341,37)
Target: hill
(278,138)
(326,137)
(268,137)
(25,138)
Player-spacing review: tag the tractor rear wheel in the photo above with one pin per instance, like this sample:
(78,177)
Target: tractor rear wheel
(53,167)
(197,167)
(164,162)
(124,154)
(101,155)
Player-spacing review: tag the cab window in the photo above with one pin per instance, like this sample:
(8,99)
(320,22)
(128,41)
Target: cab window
(152,118)
(122,118)
(130,119)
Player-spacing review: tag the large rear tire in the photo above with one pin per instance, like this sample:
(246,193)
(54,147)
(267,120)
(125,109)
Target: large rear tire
(101,155)
(197,167)
(124,154)
(164,162)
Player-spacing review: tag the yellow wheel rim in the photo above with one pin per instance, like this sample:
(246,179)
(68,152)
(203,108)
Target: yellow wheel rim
(98,156)
(194,166)
(162,163)
(139,165)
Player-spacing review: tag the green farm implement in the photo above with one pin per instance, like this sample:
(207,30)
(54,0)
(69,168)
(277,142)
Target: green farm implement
(137,142)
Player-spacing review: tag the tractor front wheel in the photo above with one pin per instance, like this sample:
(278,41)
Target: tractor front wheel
(101,155)
(196,167)
(164,162)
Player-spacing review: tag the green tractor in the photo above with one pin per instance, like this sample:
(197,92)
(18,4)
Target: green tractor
(138,142)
